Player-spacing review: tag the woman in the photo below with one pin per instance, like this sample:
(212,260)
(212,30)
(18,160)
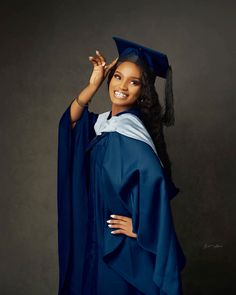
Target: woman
(115,229)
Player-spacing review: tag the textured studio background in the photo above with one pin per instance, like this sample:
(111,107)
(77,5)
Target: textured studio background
(44,63)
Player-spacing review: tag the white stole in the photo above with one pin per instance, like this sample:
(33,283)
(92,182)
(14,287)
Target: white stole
(127,124)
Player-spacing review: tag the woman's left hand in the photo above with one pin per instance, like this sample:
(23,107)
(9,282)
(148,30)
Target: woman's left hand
(124,225)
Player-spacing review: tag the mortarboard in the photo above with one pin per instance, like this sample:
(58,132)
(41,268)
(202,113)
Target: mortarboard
(156,61)
(157,64)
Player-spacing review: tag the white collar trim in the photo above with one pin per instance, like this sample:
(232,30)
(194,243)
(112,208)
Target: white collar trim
(127,124)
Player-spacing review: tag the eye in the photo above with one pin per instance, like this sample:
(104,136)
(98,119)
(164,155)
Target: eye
(116,76)
(135,82)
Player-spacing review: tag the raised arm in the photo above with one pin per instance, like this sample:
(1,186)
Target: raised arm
(83,98)
(99,73)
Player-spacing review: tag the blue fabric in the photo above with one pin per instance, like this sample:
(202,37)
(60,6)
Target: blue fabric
(113,174)
(156,61)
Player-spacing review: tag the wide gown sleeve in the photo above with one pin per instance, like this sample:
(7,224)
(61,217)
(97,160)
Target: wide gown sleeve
(153,223)
(72,197)
(152,262)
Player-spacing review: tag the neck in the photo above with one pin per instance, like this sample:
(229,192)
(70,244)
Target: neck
(117,109)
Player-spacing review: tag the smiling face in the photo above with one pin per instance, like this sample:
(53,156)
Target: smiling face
(125,86)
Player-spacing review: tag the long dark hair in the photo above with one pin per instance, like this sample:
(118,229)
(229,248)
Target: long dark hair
(152,113)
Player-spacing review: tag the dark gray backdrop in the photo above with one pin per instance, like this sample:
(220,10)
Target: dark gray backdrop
(44,64)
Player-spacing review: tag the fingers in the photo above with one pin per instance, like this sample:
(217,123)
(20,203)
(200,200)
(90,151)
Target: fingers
(93,60)
(120,226)
(120,217)
(114,221)
(114,61)
(117,223)
(98,59)
(123,225)
(119,231)
(102,59)
(111,64)
(121,222)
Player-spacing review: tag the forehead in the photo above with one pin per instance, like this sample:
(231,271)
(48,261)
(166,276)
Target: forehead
(129,68)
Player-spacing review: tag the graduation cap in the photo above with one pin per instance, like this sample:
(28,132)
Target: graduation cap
(157,64)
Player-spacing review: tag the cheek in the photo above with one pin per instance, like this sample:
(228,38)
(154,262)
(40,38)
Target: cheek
(113,83)
(137,92)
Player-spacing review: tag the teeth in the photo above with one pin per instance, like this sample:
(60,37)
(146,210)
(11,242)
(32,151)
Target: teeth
(120,94)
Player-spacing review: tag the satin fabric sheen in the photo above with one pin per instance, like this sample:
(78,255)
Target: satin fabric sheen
(113,174)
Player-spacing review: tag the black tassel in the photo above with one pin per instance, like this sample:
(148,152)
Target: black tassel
(168,118)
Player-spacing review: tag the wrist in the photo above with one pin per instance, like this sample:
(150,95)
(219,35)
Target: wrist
(81,103)
(93,87)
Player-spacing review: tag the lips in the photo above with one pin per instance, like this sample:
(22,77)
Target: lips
(120,94)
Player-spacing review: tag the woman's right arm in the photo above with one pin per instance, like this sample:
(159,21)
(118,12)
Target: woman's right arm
(84,97)
(100,71)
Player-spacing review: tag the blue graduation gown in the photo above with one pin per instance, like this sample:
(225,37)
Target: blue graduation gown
(113,174)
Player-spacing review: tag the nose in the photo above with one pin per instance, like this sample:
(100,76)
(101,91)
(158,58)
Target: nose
(123,85)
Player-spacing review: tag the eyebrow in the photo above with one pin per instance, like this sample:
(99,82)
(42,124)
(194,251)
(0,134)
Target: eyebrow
(130,77)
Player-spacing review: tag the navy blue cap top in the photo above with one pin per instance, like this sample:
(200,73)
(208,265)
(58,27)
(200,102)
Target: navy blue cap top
(156,61)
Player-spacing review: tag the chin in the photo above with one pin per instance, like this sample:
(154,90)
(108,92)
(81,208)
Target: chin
(120,102)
